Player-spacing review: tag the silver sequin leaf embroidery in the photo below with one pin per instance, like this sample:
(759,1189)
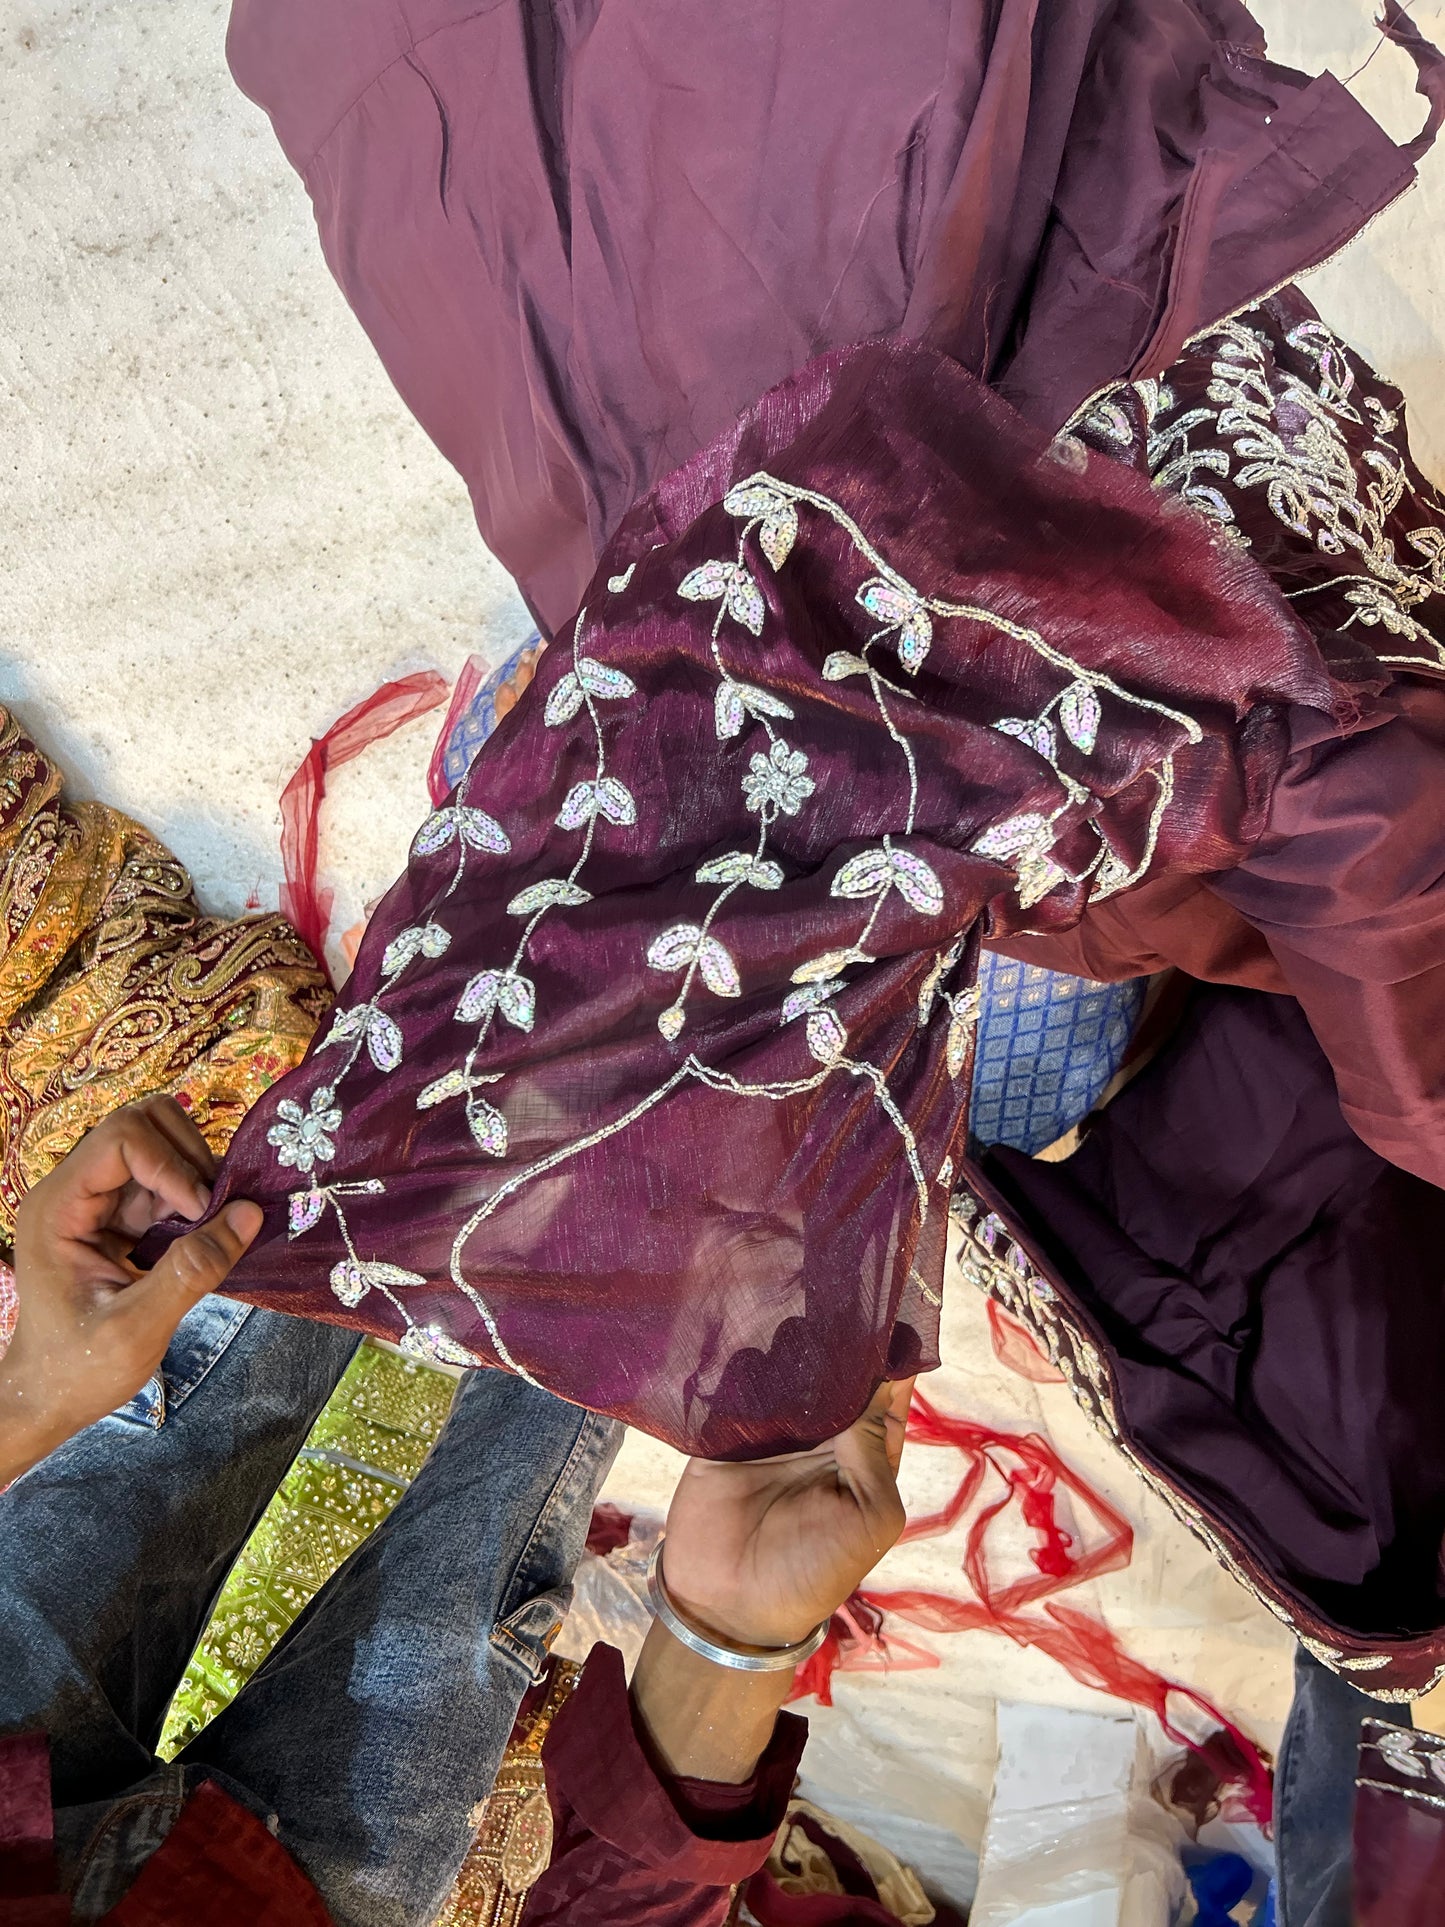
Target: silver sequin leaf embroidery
(928,989)
(423,940)
(1398,1747)
(797,1002)
(671,1021)
(1014,835)
(827,1039)
(304,1210)
(736,701)
(729,583)
(1029,729)
(383,1038)
(617,583)
(1374,606)
(589,677)
(554,891)
(454,1083)
(1080,714)
(475,828)
(488,1127)
(961,1028)
(352,1279)
(741,866)
(1109,420)
(607,798)
(842,663)
(1038,874)
(905,612)
(383,1041)
(779,518)
(686,943)
(346,1025)
(434,1345)
(818,969)
(499,990)
(1025,841)
(305,1138)
(873,871)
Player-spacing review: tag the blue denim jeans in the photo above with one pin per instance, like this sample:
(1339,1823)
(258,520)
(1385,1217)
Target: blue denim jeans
(1314,1795)
(371,1732)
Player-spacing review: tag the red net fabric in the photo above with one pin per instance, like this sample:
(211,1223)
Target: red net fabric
(864,1636)
(305,901)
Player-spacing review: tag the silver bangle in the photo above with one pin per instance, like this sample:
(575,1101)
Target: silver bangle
(778,1659)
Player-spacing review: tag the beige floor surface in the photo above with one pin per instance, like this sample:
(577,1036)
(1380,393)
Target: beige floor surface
(222,529)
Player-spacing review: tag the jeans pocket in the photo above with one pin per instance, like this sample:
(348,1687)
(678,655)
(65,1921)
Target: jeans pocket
(526,1635)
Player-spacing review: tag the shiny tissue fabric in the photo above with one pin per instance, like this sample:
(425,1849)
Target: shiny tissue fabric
(708,1191)
(584,237)
(583,251)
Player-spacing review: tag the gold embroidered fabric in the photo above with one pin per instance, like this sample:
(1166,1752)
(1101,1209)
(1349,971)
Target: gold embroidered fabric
(802,1864)
(513,1845)
(113,984)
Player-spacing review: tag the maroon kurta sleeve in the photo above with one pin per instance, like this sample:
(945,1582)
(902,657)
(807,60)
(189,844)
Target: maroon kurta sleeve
(631,1846)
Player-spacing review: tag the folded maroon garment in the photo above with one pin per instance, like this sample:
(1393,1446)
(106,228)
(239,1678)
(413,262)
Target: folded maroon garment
(583,240)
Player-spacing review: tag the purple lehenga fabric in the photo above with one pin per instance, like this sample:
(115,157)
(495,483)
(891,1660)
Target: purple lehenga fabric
(651,1081)
(585,237)
(651,1078)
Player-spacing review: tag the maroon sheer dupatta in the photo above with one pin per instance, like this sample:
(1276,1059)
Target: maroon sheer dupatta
(651,1080)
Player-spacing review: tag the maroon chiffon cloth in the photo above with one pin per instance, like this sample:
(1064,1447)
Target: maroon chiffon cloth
(651,1079)
(585,236)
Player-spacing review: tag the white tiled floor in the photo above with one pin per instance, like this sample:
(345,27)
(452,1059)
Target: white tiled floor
(221,529)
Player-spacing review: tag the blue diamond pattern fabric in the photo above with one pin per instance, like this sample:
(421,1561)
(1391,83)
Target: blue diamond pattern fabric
(1047,1048)
(479,718)
(1048,1044)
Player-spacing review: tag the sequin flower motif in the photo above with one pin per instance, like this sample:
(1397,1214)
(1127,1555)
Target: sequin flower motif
(778,780)
(304,1138)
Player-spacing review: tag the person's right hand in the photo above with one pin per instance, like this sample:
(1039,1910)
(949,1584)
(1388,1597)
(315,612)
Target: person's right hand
(761,1552)
(90,1328)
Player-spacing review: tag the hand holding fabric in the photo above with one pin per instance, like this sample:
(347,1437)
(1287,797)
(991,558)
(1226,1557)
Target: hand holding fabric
(91,1327)
(760,1552)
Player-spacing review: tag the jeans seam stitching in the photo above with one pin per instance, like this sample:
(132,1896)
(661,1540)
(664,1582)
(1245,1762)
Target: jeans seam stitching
(178,1392)
(581,1447)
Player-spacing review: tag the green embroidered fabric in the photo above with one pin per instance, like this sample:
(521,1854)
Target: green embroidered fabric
(362,1453)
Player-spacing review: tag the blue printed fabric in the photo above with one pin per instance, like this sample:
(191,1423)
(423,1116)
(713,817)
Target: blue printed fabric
(479,718)
(1047,1048)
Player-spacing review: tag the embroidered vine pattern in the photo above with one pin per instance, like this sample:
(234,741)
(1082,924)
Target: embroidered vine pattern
(507,994)
(906,617)
(777,783)
(354,1276)
(1287,437)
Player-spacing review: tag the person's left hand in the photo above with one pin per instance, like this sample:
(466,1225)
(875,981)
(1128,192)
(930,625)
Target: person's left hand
(760,1553)
(91,1329)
